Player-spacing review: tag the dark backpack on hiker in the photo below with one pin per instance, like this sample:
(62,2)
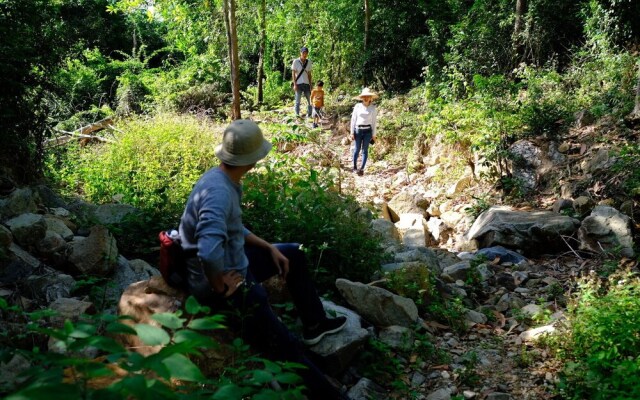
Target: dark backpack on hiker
(173,259)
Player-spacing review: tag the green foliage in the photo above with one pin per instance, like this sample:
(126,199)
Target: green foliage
(468,374)
(121,374)
(448,311)
(628,166)
(290,132)
(153,164)
(481,205)
(415,283)
(386,365)
(524,358)
(546,103)
(602,347)
(287,201)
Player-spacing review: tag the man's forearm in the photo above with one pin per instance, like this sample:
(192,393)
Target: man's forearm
(254,240)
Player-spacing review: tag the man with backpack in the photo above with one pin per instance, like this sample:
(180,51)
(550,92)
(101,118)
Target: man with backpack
(230,261)
(301,77)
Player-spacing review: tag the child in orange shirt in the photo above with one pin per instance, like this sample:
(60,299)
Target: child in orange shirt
(317,100)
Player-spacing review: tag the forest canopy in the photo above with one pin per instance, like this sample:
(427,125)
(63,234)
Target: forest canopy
(69,62)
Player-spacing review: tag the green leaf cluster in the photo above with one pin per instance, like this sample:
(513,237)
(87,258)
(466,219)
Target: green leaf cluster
(288,201)
(119,373)
(603,344)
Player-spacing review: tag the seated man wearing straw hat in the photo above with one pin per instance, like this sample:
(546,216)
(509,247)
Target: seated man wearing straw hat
(231,261)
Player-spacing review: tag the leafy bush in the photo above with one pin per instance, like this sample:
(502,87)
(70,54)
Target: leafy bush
(628,167)
(82,81)
(153,166)
(121,374)
(602,80)
(415,283)
(185,86)
(545,104)
(603,345)
(276,91)
(289,202)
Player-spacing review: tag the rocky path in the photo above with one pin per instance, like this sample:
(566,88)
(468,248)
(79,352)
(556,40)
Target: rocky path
(491,359)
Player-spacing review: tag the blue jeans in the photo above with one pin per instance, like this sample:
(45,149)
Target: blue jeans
(363,137)
(249,310)
(303,88)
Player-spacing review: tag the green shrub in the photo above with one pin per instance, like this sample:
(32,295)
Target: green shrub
(415,283)
(186,86)
(153,165)
(291,202)
(546,104)
(81,81)
(604,345)
(628,166)
(169,374)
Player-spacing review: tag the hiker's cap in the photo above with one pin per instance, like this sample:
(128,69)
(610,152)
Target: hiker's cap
(304,49)
(242,144)
(366,92)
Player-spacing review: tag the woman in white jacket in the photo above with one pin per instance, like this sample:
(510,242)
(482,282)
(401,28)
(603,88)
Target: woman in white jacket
(363,127)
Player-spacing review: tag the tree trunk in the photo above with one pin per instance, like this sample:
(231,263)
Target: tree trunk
(636,109)
(229,11)
(518,37)
(367,19)
(332,66)
(263,39)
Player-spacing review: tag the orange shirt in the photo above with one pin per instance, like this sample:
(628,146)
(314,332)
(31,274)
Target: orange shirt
(317,97)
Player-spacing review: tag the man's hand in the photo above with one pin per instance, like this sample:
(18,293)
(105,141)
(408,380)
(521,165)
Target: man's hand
(227,283)
(295,87)
(281,262)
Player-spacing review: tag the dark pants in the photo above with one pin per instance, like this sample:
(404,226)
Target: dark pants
(363,138)
(261,328)
(304,89)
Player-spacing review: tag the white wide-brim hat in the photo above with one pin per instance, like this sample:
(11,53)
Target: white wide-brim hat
(366,92)
(242,144)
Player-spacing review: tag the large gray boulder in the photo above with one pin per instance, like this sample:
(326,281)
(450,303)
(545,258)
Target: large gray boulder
(49,287)
(405,202)
(387,230)
(607,230)
(533,232)
(20,201)
(527,158)
(366,389)
(27,229)
(377,305)
(96,254)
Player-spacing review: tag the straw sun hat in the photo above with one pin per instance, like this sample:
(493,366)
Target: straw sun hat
(242,144)
(366,92)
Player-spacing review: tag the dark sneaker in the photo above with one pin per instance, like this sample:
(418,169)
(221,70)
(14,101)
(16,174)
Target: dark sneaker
(360,172)
(326,327)
(355,170)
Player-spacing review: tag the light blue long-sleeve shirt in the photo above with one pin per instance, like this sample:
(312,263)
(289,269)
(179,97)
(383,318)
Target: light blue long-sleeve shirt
(212,223)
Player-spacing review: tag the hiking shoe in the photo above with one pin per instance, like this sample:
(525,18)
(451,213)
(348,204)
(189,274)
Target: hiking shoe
(355,170)
(330,325)
(314,125)
(360,172)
